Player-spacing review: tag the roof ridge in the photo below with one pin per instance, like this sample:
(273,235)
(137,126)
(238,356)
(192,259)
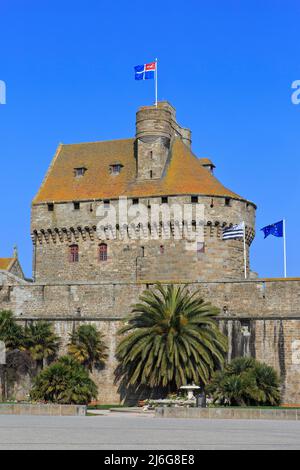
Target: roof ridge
(98,141)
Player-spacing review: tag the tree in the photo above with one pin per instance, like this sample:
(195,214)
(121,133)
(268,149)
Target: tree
(66,382)
(10,332)
(40,342)
(171,339)
(245,382)
(87,346)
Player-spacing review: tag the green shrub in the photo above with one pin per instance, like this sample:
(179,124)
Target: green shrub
(245,382)
(66,382)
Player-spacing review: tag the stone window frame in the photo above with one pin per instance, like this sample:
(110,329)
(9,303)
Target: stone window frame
(102,252)
(73,253)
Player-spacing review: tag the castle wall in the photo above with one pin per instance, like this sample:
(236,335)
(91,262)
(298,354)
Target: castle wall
(260,317)
(132,257)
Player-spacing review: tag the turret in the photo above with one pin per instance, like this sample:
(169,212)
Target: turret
(156,127)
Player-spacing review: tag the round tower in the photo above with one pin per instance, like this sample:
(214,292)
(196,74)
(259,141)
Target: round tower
(156,127)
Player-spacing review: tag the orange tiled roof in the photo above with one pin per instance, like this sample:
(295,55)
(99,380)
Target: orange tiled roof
(184,175)
(5,263)
(205,161)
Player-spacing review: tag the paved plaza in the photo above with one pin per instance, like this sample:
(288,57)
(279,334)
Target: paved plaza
(129,431)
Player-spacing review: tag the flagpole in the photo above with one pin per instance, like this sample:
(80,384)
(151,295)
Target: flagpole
(155,84)
(245,253)
(284,248)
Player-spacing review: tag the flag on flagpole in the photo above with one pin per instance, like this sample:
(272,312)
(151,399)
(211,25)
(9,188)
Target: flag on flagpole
(145,71)
(278,230)
(273,229)
(236,231)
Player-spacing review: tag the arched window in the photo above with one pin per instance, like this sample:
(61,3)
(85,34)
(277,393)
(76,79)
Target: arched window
(73,254)
(103,252)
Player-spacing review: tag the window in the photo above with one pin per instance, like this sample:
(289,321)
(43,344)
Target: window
(161,249)
(194,199)
(116,168)
(200,249)
(151,174)
(103,252)
(106,203)
(164,200)
(76,206)
(73,254)
(227,201)
(51,207)
(78,172)
(135,201)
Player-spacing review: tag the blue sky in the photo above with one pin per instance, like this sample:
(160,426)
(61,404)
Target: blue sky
(227,67)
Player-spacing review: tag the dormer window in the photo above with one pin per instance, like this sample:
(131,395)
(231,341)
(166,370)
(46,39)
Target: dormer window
(78,172)
(116,168)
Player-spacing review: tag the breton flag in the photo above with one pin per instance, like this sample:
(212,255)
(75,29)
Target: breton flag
(145,71)
(237,231)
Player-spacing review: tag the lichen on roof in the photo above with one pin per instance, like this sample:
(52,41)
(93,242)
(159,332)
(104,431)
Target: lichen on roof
(6,263)
(184,174)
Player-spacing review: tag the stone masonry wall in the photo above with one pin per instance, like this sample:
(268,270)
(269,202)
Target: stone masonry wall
(131,258)
(260,317)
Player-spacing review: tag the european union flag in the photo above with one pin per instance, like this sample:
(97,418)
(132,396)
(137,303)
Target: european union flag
(274,229)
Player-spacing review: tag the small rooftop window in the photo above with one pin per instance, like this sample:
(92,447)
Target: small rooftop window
(79,171)
(116,168)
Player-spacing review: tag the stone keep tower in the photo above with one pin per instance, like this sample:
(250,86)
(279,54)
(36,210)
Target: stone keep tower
(157,166)
(156,128)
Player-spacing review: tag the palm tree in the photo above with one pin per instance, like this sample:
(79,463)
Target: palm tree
(40,342)
(11,334)
(65,381)
(87,346)
(171,339)
(245,382)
